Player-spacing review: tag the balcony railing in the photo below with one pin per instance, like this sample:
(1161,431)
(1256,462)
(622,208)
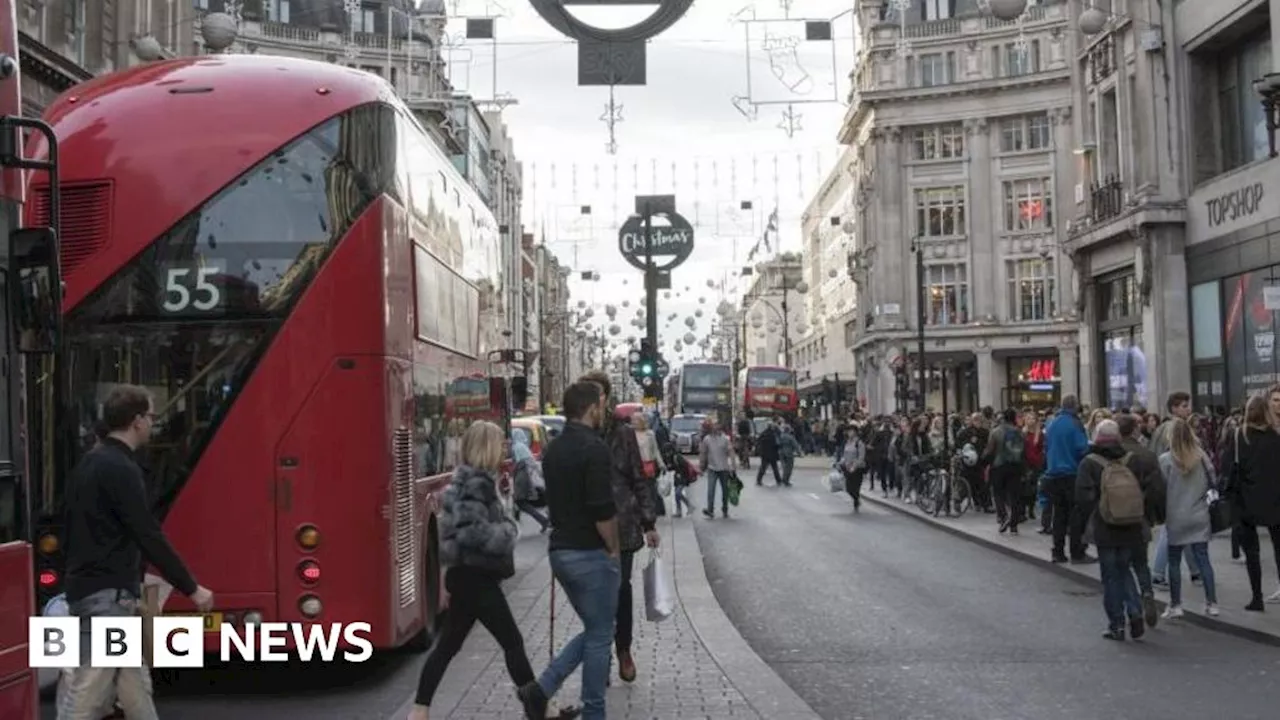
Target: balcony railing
(1102,59)
(934,28)
(1106,199)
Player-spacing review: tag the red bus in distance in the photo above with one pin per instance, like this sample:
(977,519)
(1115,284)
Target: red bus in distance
(769,390)
(311,302)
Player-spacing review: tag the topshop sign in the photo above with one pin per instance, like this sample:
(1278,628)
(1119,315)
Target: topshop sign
(1235,202)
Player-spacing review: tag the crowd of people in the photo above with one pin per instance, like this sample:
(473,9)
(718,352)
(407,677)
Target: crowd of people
(1117,480)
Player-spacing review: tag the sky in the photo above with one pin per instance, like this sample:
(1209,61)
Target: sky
(688,132)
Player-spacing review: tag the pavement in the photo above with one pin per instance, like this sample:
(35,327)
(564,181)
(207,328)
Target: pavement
(879,616)
(1231,582)
(692,665)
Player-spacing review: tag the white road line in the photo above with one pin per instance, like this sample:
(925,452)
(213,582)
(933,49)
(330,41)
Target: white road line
(815,497)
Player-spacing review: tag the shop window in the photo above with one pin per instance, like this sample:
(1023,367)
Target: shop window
(937,142)
(1118,299)
(948,288)
(1250,333)
(1025,132)
(1028,205)
(940,211)
(1125,365)
(1242,123)
(1032,289)
(939,9)
(1206,322)
(934,69)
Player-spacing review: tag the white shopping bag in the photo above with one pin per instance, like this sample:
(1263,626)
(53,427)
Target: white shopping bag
(835,481)
(664,486)
(659,602)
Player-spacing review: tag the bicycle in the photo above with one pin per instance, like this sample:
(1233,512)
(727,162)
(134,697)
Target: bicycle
(936,497)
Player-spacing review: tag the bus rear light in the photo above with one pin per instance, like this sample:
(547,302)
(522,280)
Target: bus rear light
(308,537)
(309,572)
(48,578)
(310,606)
(48,544)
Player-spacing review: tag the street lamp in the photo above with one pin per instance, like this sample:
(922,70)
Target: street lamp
(783,291)
(921,298)
(1268,89)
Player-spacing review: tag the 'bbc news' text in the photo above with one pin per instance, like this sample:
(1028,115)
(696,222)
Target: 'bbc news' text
(178,642)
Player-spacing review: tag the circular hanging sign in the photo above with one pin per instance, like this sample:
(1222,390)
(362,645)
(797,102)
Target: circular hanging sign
(672,242)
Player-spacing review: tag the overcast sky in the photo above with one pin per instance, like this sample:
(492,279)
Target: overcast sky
(679,134)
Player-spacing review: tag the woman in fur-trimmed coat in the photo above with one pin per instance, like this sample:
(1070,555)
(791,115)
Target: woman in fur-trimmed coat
(477,546)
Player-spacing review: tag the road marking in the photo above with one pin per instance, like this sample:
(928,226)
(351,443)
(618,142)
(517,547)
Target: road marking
(815,496)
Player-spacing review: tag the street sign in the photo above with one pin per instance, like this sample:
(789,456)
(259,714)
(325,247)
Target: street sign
(672,242)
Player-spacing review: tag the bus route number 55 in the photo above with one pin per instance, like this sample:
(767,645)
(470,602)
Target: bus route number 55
(191,288)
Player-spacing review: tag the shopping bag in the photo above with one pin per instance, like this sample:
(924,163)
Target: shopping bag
(835,481)
(659,602)
(664,486)
(1219,512)
(735,490)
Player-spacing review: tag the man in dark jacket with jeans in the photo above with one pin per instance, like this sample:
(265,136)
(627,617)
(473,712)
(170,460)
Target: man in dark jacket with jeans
(1120,546)
(110,530)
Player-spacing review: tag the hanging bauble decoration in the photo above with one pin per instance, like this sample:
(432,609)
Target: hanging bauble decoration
(1007,9)
(689,339)
(697,313)
(832,273)
(614,329)
(690,321)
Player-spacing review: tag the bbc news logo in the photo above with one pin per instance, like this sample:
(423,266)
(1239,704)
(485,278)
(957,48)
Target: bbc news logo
(178,642)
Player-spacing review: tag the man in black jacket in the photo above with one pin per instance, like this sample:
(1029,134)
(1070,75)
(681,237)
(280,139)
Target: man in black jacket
(584,549)
(767,446)
(110,530)
(1120,546)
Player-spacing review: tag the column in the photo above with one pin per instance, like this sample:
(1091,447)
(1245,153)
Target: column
(893,228)
(1166,323)
(988,380)
(1275,33)
(980,206)
(1068,371)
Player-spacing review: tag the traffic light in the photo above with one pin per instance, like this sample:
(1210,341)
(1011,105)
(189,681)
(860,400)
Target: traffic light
(648,368)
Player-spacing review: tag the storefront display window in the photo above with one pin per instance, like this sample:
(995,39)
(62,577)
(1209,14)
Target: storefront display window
(1124,361)
(1033,382)
(1126,366)
(1206,322)
(1250,331)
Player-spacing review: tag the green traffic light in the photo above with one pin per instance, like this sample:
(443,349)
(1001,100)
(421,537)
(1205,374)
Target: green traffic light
(646,369)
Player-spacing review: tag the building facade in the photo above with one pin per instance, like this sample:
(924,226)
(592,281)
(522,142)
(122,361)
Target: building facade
(1128,237)
(1230,298)
(1175,230)
(773,311)
(962,129)
(64,43)
(823,357)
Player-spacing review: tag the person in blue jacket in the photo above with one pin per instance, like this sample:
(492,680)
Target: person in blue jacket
(1066,444)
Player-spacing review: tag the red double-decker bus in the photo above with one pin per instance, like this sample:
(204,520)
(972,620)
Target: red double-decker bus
(769,390)
(29,319)
(282,255)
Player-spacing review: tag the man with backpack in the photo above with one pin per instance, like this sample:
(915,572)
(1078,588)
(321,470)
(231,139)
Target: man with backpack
(1118,495)
(1006,450)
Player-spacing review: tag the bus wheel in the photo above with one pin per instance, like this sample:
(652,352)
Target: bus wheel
(432,615)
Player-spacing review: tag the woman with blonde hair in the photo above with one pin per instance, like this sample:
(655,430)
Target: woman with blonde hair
(1189,479)
(477,548)
(1096,417)
(1252,466)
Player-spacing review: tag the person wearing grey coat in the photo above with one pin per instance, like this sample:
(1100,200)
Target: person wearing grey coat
(1188,494)
(853,464)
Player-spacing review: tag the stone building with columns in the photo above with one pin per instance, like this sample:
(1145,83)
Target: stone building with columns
(962,126)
